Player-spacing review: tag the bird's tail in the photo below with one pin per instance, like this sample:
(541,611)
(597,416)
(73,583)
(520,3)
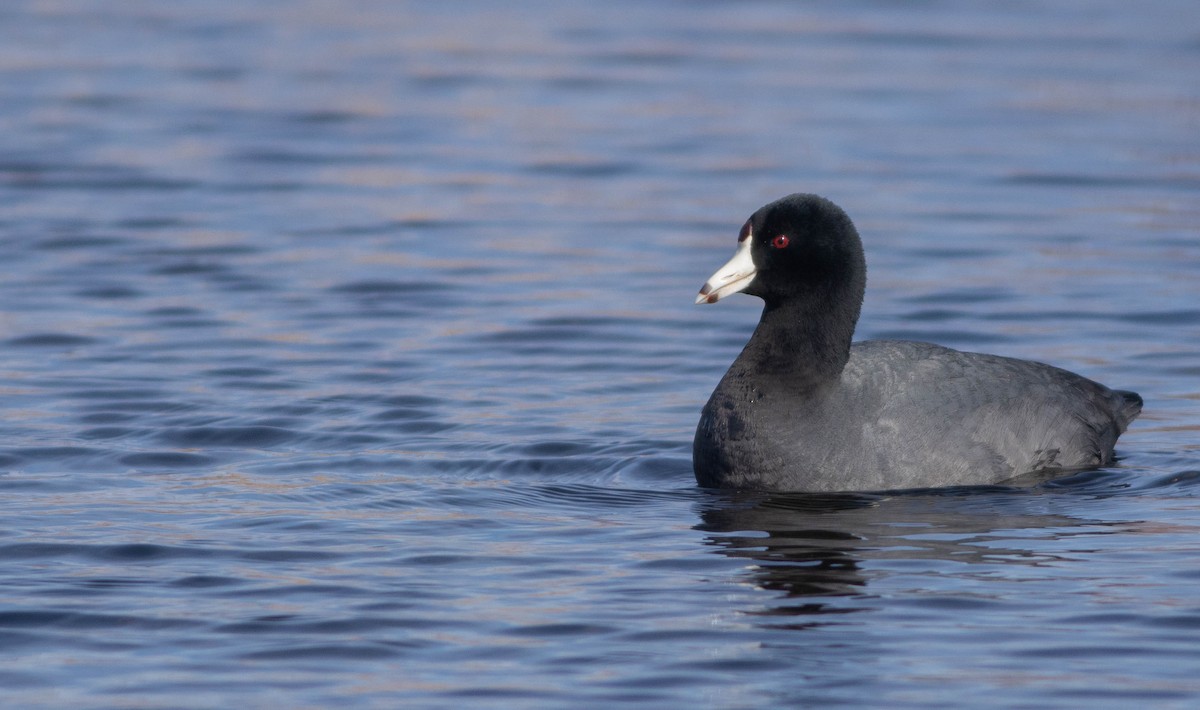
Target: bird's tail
(1129,406)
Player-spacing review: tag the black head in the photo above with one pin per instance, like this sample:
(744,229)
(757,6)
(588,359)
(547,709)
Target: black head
(799,249)
(803,246)
(802,256)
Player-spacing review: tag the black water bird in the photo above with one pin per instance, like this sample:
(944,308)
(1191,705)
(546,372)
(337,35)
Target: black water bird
(803,408)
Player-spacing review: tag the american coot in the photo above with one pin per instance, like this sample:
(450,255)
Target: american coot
(804,409)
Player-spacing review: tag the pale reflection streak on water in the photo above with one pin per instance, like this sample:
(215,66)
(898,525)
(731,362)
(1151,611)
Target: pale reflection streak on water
(349,354)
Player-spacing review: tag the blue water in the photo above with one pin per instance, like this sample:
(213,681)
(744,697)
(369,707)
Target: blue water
(350,360)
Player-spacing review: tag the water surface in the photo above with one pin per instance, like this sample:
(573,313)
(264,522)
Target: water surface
(350,356)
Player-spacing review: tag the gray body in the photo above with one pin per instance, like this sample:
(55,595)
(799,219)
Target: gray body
(903,415)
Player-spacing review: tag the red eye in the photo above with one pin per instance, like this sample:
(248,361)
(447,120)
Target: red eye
(781,241)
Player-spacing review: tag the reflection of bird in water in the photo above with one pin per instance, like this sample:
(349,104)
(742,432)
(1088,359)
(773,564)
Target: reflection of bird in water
(828,549)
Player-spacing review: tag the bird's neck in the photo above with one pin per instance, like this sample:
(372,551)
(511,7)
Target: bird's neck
(805,342)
